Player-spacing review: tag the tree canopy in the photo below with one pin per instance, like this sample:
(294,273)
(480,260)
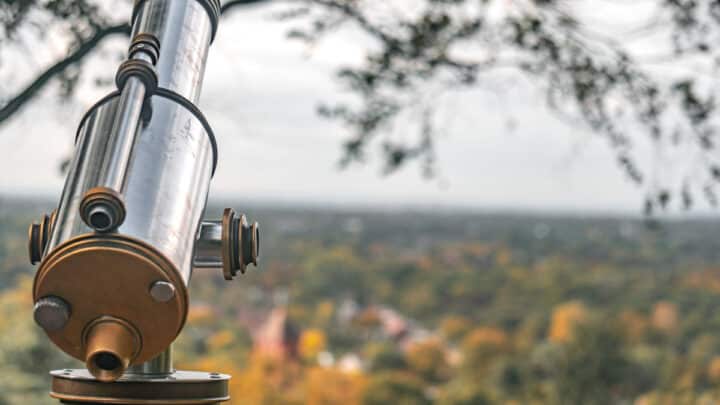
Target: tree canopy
(645,82)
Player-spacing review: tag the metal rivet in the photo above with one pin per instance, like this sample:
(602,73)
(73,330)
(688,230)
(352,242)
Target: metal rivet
(162,291)
(51,313)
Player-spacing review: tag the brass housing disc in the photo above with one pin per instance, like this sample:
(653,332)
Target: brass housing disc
(179,388)
(111,276)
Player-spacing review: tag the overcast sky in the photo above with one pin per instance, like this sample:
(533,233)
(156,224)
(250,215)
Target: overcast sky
(260,94)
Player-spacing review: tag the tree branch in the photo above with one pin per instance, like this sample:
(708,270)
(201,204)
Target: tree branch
(17,102)
(25,95)
(233,3)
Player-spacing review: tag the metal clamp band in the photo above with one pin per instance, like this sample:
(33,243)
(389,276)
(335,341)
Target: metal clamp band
(170,95)
(176,97)
(212,7)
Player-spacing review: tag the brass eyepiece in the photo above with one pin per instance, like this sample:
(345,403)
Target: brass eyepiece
(111,345)
(102,209)
(38,237)
(240,243)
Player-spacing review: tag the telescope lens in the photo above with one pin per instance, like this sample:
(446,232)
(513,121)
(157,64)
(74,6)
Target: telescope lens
(107,361)
(100,220)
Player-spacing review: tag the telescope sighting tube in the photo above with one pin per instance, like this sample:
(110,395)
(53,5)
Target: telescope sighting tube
(116,257)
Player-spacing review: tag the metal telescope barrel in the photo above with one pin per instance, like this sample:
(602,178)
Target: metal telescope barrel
(116,256)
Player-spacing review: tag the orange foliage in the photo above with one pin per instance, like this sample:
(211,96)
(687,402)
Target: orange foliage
(369,318)
(503,257)
(708,280)
(221,340)
(713,370)
(486,337)
(565,318)
(665,317)
(635,325)
(200,314)
(429,359)
(424,263)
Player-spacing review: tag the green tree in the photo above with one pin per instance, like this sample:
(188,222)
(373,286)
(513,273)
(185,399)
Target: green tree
(395,388)
(595,368)
(26,355)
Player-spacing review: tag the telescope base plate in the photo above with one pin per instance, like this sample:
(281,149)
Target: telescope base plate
(179,388)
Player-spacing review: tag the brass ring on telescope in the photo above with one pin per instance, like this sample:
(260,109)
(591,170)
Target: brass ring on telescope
(38,237)
(109,199)
(226,244)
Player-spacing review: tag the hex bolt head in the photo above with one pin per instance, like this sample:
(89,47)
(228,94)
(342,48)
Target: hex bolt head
(51,313)
(162,291)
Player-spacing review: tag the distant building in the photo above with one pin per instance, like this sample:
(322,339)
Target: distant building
(276,336)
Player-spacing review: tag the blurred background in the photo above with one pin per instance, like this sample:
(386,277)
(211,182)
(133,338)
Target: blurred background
(462,202)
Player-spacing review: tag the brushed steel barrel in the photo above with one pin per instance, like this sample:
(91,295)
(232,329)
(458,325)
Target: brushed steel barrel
(168,180)
(184,30)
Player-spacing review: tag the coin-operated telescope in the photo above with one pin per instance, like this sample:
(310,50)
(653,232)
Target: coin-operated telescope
(116,256)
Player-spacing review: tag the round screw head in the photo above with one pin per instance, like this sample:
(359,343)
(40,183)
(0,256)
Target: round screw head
(162,291)
(51,313)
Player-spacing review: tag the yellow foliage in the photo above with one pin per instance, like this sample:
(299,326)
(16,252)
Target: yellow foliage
(267,381)
(327,386)
(200,314)
(665,317)
(221,340)
(565,319)
(15,304)
(312,342)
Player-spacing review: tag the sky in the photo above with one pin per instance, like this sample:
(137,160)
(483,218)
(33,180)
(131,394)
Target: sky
(498,150)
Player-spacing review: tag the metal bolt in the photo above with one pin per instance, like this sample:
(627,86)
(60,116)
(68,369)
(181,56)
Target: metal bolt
(162,291)
(51,313)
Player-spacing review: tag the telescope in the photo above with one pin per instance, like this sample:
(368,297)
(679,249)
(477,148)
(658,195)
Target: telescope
(117,254)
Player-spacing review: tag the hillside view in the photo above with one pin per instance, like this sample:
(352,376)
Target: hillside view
(418,307)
